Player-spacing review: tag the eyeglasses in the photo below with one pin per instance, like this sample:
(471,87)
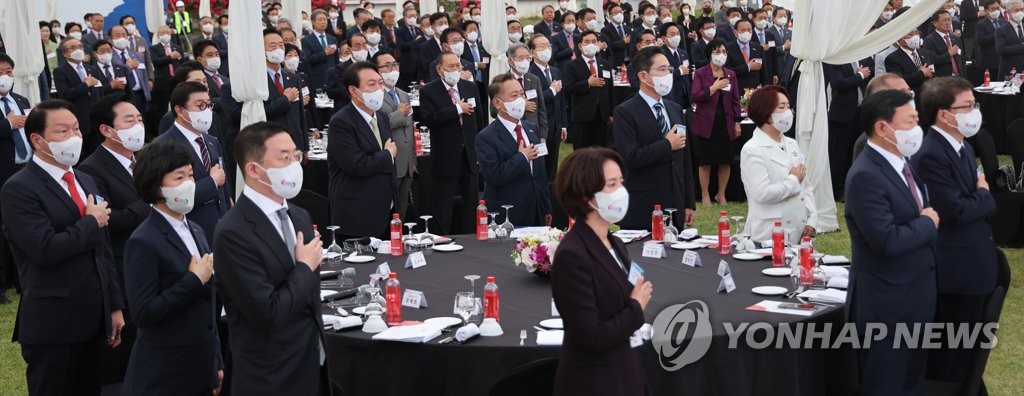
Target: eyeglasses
(291,157)
(663,69)
(203,106)
(971,106)
(389,66)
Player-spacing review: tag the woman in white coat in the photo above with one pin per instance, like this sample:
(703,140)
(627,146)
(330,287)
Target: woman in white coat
(772,168)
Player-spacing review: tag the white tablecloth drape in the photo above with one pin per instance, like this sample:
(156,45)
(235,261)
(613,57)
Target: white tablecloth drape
(155,17)
(836,32)
(204,8)
(248,65)
(292,10)
(20,30)
(495,36)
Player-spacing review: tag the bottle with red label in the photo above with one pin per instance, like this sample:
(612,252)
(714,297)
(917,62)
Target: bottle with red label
(806,263)
(396,235)
(316,232)
(724,240)
(778,245)
(481,221)
(393,296)
(492,306)
(988,78)
(624,75)
(657,224)
(418,143)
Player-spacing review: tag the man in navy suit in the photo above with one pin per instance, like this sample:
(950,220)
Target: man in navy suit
(547,26)
(430,47)
(284,103)
(770,42)
(335,89)
(893,231)
(747,58)
(658,166)
(71,306)
(965,250)
(80,84)
(514,172)
(117,76)
(848,87)
(361,158)
(406,35)
(321,50)
(1010,40)
(449,108)
(910,63)
(987,57)
(267,258)
(563,43)
(945,47)
(727,31)
(617,34)
(335,24)
(554,99)
(193,112)
(167,57)
(221,38)
(705,34)
(680,62)
(15,151)
(588,85)
(476,55)
(135,64)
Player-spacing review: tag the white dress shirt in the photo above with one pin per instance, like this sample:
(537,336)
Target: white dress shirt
(269,209)
(125,162)
(57,173)
(458,97)
(957,145)
(184,232)
(897,163)
(650,104)
(191,136)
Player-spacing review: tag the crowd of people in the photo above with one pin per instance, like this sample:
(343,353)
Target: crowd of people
(119,187)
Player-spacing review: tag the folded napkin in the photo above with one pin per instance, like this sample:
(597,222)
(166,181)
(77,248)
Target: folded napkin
(831,296)
(830,259)
(550,337)
(689,234)
(645,331)
(418,333)
(834,271)
(762,251)
(337,322)
(631,235)
(767,243)
(466,333)
(838,282)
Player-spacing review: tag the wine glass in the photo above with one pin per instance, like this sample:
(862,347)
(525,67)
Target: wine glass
(492,229)
(334,251)
(409,240)
(734,232)
(426,240)
(670,227)
(742,236)
(472,282)
(506,228)
(465,304)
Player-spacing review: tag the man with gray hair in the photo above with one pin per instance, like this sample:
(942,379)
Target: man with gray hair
(519,64)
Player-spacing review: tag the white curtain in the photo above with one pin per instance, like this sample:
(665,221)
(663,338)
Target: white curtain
(21,37)
(596,6)
(204,8)
(495,36)
(155,17)
(50,10)
(293,11)
(836,32)
(248,65)
(428,7)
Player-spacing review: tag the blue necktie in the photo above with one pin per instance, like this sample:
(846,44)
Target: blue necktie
(662,122)
(323,41)
(476,59)
(394,96)
(20,146)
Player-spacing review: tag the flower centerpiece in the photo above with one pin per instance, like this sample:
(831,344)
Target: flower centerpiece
(536,252)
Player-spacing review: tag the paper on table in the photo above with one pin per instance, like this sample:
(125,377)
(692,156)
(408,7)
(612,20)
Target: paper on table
(418,334)
(550,337)
(688,233)
(834,271)
(631,235)
(338,322)
(830,259)
(832,296)
(773,307)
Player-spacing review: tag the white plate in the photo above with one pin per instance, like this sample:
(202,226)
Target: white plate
(449,247)
(551,323)
(747,256)
(359,259)
(777,271)
(359,310)
(687,245)
(769,290)
(442,322)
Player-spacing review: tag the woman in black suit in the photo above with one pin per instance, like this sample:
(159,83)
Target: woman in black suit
(167,271)
(599,307)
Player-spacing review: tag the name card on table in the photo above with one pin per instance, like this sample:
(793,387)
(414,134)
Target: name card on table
(415,260)
(726,285)
(635,273)
(414,299)
(692,259)
(384,269)
(654,250)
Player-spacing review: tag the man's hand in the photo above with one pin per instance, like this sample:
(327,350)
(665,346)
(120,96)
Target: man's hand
(530,152)
(305,100)
(931,214)
(754,65)
(220,382)
(865,72)
(87,58)
(557,86)
(952,50)
(150,85)
(218,175)
(330,50)
(99,211)
(565,134)
(17,121)
(466,107)
(133,64)
(202,267)
(309,253)
(684,70)
(91,81)
(677,140)
(739,130)
(175,55)
(765,46)
(547,219)
(625,39)
(531,106)
(688,217)
(291,93)
(982,183)
(481,65)
(787,45)
(405,108)
(595,81)
(466,75)
(927,71)
(117,84)
(391,147)
(116,324)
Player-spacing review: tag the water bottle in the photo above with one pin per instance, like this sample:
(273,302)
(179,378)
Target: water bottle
(491,301)
(724,244)
(806,263)
(419,143)
(657,224)
(988,78)
(396,235)
(778,245)
(393,295)
(481,221)
(316,232)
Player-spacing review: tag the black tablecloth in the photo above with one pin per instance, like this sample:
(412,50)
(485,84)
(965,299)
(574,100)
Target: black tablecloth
(1008,222)
(317,179)
(998,111)
(363,366)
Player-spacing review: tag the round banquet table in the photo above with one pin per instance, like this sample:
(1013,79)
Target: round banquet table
(363,366)
(998,112)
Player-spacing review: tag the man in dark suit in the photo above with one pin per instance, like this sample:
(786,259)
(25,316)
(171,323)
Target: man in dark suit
(335,89)
(554,100)
(430,47)
(361,161)
(166,59)
(479,59)
(892,233)
(679,60)
(388,26)
(117,76)
(727,32)
(72,302)
(454,40)
(360,16)
(986,55)
(373,30)
(616,32)
(335,24)
(945,47)
(704,36)
(267,258)
(772,44)
(965,251)
(548,25)
(563,9)
(95,32)
(221,38)
(321,50)
(563,43)
(406,35)
(658,166)
(588,85)
(519,67)
(910,63)
(972,12)
(1010,42)
(448,107)
(80,84)
(747,58)
(135,64)
(207,54)
(193,112)
(284,103)
(848,87)
(15,151)
(513,171)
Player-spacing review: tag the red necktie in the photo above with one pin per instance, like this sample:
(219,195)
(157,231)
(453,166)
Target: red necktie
(519,135)
(593,70)
(277,83)
(568,37)
(216,79)
(69,178)
(952,58)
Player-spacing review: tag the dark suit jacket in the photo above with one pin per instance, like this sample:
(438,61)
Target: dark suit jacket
(936,45)
(965,251)
(588,104)
(969,17)
(900,63)
(7,138)
(429,51)
(116,185)
(592,295)
(408,53)
(986,55)
(554,105)
(320,63)
(271,299)
(654,173)
(284,112)
(748,78)
(846,85)
(707,105)
(616,43)
(64,262)
(176,313)
(508,179)
(467,56)
(335,88)
(561,51)
(162,74)
(222,48)
(362,174)
(697,56)
(681,84)
(335,25)
(72,89)
(117,71)
(542,28)
(211,201)
(448,139)
(726,34)
(1010,49)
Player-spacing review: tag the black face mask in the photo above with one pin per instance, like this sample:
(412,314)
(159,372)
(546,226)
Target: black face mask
(707,10)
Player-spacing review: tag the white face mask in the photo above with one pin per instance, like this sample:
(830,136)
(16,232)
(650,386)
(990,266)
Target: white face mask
(783,121)
(516,108)
(908,141)
(411,21)
(6,84)
(208,28)
(440,29)
(544,55)
(121,43)
(590,50)
(213,64)
(66,152)
(360,55)
(132,138)
(666,20)
(781,21)
(612,206)
(914,42)
(429,31)
(710,33)
(181,198)
(521,66)
(674,41)
(333,15)
(345,59)
(275,18)
(617,18)
(743,3)
(594,25)
(165,39)
(515,37)
(719,59)
(1017,16)
(761,25)
(286,182)
(569,28)
(887,15)
(130,28)
(511,17)
(104,59)
(478,18)
(733,20)
(275,56)
(563,5)
(968,124)
(452,77)
(744,37)
(458,48)
(650,19)
(291,63)
(729,4)
(373,38)
(201,120)
(390,78)
(78,55)
(76,35)
(994,14)
(662,84)
(374,100)
(472,36)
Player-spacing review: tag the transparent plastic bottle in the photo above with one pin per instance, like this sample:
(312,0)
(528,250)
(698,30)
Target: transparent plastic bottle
(393,295)
(492,306)
(724,238)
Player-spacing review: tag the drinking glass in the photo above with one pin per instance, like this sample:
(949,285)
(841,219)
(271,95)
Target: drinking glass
(335,260)
(409,241)
(492,229)
(743,237)
(506,228)
(472,282)
(465,303)
(426,240)
(670,227)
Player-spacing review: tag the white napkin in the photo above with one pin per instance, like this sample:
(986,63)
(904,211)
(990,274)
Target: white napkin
(338,322)
(467,332)
(631,235)
(688,233)
(825,296)
(645,331)
(838,282)
(833,271)
(415,333)
(830,259)
(374,242)
(767,243)
(550,337)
